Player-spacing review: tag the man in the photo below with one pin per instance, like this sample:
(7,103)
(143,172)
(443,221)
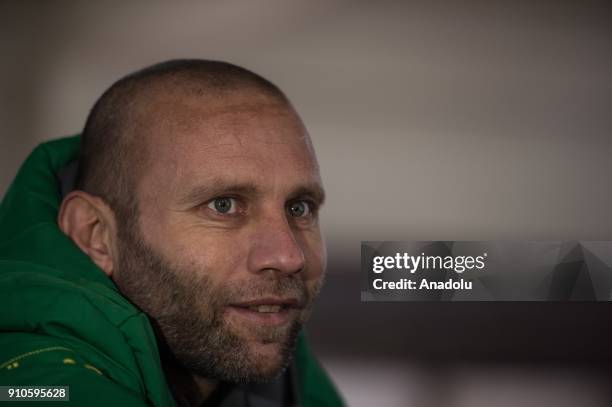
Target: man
(195,215)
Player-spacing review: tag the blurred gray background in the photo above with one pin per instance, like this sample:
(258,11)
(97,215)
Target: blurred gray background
(472,120)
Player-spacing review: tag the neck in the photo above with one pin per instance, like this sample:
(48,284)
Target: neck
(187,387)
(205,386)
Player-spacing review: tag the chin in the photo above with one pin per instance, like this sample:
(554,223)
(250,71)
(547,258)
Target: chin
(270,359)
(267,360)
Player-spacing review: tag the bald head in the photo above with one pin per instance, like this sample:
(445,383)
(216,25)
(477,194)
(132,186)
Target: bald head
(214,192)
(114,143)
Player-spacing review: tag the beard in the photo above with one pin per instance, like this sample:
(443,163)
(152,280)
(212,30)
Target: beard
(187,311)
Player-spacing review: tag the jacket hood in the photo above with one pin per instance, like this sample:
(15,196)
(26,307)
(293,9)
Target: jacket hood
(53,290)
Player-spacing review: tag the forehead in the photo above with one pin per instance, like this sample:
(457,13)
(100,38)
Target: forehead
(238,138)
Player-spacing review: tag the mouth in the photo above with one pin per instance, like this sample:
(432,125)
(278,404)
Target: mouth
(266,311)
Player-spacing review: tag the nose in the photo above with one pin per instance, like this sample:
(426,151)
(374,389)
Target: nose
(275,247)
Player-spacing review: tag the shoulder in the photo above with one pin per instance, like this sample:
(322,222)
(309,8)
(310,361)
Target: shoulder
(36,360)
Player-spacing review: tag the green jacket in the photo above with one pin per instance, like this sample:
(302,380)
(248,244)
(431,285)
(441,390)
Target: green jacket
(63,322)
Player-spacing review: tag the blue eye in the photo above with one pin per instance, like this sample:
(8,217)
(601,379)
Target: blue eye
(224,205)
(299,209)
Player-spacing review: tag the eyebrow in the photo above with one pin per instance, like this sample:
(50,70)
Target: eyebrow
(218,187)
(214,188)
(313,190)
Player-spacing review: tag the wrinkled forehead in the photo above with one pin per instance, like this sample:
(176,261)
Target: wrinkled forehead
(239,133)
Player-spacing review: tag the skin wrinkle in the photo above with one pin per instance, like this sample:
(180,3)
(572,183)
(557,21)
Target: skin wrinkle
(182,267)
(181,126)
(238,158)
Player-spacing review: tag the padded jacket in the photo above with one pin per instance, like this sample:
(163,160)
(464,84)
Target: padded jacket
(63,321)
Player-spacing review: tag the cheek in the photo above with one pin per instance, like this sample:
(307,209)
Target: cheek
(218,263)
(316,259)
(209,253)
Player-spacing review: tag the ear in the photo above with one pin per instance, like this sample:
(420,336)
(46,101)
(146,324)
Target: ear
(90,223)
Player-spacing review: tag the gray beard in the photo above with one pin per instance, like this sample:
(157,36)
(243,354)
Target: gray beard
(187,311)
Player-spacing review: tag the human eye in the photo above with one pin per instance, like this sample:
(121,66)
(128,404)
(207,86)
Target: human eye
(224,205)
(301,209)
